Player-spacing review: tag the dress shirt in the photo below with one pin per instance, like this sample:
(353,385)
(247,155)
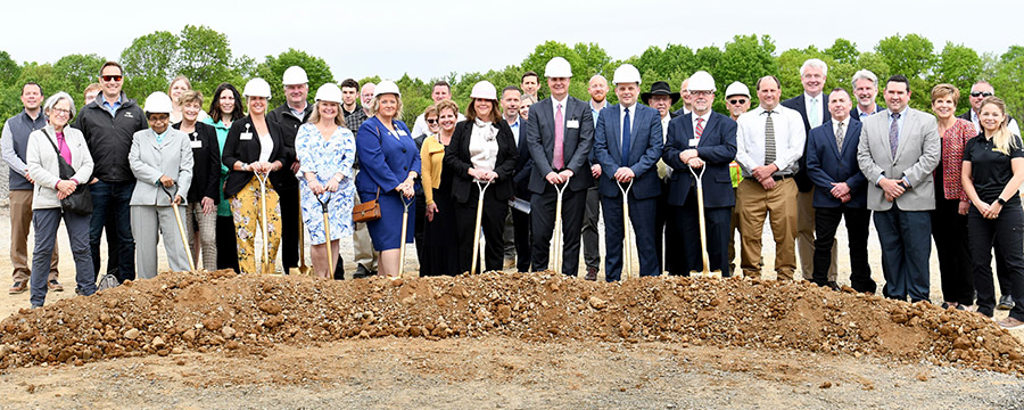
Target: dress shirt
(814,103)
(111,108)
(515,128)
(874,109)
(622,119)
(789,140)
(706,117)
(664,127)
(835,129)
(554,106)
(594,112)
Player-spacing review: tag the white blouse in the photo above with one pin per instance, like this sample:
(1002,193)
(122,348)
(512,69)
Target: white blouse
(483,146)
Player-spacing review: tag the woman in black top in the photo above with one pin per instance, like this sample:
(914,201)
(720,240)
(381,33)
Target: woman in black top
(204,193)
(992,173)
(482,149)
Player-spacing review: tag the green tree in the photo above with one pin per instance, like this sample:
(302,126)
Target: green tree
(910,55)
(204,56)
(960,66)
(9,69)
(1008,85)
(78,71)
(843,51)
(149,63)
(746,59)
(272,69)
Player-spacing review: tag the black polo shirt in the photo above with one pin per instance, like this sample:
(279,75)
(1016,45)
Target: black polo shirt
(991,169)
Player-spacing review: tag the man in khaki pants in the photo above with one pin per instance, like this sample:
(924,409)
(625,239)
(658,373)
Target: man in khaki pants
(14,142)
(770,142)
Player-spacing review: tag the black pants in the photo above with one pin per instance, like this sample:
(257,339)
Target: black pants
(858,221)
(949,229)
(671,241)
(421,222)
(1006,235)
(492,223)
(542,222)
(227,248)
(521,225)
(591,245)
(289,197)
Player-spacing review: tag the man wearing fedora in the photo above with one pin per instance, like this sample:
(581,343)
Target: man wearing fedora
(661,98)
(702,139)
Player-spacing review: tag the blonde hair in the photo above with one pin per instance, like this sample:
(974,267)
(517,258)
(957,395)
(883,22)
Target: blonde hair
(188,83)
(1003,139)
(191,96)
(375,105)
(314,117)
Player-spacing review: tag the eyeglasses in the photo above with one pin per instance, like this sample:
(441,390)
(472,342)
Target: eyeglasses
(981,94)
(432,121)
(701,92)
(109,78)
(738,101)
(55,111)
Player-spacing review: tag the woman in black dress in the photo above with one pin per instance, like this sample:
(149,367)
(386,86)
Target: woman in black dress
(439,235)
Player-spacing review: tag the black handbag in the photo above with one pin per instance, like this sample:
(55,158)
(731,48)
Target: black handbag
(80,201)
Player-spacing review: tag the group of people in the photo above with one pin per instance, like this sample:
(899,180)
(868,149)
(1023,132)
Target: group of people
(503,164)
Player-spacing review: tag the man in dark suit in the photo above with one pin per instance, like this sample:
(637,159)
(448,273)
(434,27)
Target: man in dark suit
(559,135)
(840,192)
(702,138)
(627,146)
(520,219)
(662,98)
(812,105)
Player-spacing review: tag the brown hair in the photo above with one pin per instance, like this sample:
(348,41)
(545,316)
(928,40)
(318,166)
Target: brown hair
(448,105)
(112,63)
(943,90)
(191,96)
(432,109)
(471,114)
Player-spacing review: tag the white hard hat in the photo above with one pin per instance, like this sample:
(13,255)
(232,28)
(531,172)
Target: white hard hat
(294,75)
(257,87)
(329,92)
(626,73)
(558,67)
(158,102)
(484,90)
(386,87)
(701,81)
(737,88)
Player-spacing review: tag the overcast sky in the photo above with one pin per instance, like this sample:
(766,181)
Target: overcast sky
(429,39)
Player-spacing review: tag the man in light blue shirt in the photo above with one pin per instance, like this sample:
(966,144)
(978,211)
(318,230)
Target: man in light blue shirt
(598,89)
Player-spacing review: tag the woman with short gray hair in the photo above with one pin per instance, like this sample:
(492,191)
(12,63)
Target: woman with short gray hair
(48,147)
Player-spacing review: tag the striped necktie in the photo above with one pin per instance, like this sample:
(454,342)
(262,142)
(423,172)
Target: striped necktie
(769,139)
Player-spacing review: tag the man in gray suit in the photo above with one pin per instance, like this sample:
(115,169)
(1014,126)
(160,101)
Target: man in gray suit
(559,134)
(898,151)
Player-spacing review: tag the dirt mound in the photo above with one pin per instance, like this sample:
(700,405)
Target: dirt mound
(218,311)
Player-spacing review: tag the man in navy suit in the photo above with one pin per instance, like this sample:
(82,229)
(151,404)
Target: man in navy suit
(520,220)
(627,145)
(702,138)
(812,105)
(559,135)
(840,192)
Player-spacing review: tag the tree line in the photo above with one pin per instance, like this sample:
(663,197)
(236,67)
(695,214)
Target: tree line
(204,56)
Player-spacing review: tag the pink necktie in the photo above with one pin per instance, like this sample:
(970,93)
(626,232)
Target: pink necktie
(558,162)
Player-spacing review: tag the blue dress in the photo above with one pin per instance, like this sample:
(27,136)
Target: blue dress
(385,159)
(325,159)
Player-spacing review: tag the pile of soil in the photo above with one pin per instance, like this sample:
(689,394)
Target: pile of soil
(245,315)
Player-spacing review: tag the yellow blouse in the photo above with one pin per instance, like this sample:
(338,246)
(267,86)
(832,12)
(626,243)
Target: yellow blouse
(431,157)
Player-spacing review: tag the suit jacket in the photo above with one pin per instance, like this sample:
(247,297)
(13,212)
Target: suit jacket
(150,160)
(387,158)
(248,151)
(644,150)
(524,165)
(827,163)
(917,154)
(797,103)
(206,169)
(577,142)
(289,125)
(457,160)
(717,147)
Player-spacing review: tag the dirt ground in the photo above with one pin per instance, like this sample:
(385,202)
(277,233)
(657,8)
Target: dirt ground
(502,370)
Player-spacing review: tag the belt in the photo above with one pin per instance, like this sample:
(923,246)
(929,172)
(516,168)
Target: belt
(781,177)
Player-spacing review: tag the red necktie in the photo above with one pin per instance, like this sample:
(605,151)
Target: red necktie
(700,127)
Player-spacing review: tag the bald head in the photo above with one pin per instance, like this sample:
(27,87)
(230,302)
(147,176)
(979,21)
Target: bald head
(598,88)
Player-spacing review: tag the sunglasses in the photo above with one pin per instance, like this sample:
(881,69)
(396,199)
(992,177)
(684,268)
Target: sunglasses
(981,94)
(432,121)
(111,77)
(738,101)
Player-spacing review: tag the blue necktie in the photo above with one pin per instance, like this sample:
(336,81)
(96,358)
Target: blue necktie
(624,160)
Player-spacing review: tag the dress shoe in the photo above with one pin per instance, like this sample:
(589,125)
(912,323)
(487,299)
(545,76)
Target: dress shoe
(19,287)
(591,274)
(55,286)
(362,272)
(833,285)
(1005,303)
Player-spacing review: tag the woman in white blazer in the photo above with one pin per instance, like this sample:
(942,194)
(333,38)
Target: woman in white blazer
(161,159)
(44,172)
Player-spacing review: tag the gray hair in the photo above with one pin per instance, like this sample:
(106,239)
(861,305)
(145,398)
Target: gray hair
(816,63)
(864,74)
(54,99)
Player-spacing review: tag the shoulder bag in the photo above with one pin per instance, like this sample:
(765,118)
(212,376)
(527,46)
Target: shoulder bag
(80,201)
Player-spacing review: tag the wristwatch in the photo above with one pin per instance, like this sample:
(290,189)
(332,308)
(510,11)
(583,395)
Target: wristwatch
(1001,200)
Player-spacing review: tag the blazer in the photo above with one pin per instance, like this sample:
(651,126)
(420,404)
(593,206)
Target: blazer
(797,103)
(457,161)
(524,165)
(431,160)
(43,165)
(827,163)
(645,147)
(717,147)
(150,160)
(576,144)
(917,155)
(206,169)
(386,160)
(248,151)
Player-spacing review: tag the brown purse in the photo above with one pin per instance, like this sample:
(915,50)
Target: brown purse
(367,211)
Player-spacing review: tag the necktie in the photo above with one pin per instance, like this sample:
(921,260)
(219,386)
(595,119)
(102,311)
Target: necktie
(769,139)
(894,133)
(557,161)
(626,134)
(814,113)
(840,136)
(700,127)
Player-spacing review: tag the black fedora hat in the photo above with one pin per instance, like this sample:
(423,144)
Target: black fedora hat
(660,88)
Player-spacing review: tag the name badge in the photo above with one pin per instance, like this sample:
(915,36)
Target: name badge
(401,133)
(572,124)
(246,136)
(694,142)
(197,144)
